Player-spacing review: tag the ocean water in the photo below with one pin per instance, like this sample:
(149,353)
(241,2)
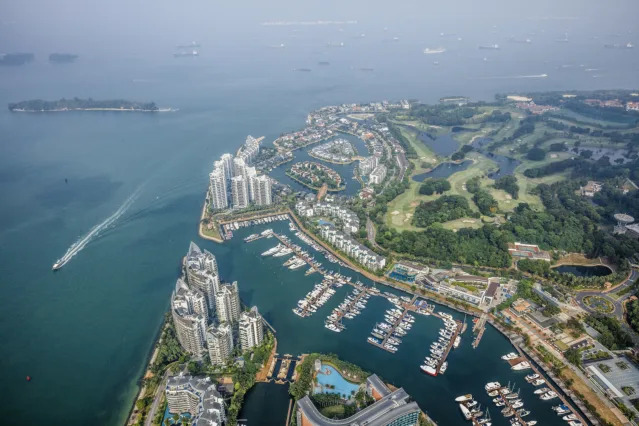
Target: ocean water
(84,334)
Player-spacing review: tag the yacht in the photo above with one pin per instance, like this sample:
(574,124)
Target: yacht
(541,391)
(428,369)
(465,411)
(491,386)
(548,395)
(524,365)
(570,417)
(429,51)
(531,377)
(443,368)
(464,398)
(457,342)
(509,356)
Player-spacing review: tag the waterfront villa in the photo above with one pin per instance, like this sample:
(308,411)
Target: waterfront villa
(390,408)
(351,247)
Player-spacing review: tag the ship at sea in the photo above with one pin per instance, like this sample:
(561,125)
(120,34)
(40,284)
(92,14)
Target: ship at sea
(16,58)
(193,52)
(619,46)
(489,47)
(429,51)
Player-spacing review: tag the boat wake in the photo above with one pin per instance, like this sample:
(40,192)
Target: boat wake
(82,242)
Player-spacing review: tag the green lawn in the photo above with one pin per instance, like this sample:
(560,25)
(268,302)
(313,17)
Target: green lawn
(333,411)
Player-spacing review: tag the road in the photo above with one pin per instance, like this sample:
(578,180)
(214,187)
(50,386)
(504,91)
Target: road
(607,295)
(148,421)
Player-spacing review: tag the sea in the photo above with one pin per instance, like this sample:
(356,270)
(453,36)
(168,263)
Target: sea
(137,180)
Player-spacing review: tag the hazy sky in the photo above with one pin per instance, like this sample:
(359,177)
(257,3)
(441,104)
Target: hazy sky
(31,24)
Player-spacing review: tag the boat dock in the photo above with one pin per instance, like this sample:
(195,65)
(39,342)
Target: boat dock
(352,304)
(479,328)
(282,369)
(451,342)
(521,421)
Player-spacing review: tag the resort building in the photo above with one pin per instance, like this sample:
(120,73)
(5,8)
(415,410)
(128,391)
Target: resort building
(190,315)
(261,190)
(220,343)
(202,273)
(239,192)
(352,248)
(217,187)
(479,291)
(389,408)
(227,303)
(378,175)
(528,251)
(251,329)
(196,396)
(367,165)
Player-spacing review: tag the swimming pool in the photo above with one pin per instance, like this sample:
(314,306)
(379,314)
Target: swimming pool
(330,381)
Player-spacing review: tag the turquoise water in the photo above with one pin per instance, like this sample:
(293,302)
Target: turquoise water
(329,380)
(84,334)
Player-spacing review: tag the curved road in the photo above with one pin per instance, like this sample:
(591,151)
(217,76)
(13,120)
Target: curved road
(617,302)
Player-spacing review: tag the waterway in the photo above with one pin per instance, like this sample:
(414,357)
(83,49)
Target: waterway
(443,170)
(276,290)
(345,170)
(584,271)
(84,334)
(443,145)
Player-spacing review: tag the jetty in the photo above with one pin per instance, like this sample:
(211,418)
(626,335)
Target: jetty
(479,328)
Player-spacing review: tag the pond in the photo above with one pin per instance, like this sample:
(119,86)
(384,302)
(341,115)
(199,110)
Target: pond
(584,271)
(507,165)
(443,170)
(444,145)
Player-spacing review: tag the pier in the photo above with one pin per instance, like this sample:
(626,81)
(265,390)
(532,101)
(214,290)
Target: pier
(479,328)
(521,421)
(451,342)
(352,303)
(286,371)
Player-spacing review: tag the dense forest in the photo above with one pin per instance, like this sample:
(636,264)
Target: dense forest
(509,184)
(443,209)
(434,186)
(80,104)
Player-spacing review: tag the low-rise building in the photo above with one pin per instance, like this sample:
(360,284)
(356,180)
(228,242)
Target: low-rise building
(390,408)
(528,251)
(591,188)
(352,248)
(196,396)
(479,291)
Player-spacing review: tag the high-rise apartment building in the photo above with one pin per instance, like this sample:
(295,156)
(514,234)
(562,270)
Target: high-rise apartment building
(239,192)
(261,186)
(190,316)
(220,343)
(251,329)
(217,188)
(202,273)
(227,303)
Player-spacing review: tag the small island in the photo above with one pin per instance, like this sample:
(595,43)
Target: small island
(314,175)
(76,104)
(339,151)
(62,58)
(16,58)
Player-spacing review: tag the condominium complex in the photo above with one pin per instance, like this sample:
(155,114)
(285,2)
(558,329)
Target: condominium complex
(220,342)
(351,247)
(378,175)
(227,303)
(239,192)
(196,396)
(251,329)
(391,408)
(202,273)
(190,316)
(367,165)
(261,190)
(348,218)
(226,174)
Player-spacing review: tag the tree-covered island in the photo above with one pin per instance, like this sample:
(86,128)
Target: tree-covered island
(77,104)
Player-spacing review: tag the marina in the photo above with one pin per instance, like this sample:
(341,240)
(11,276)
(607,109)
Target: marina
(387,331)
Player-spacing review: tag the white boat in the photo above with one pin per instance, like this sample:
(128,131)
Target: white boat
(464,398)
(443,368)
(431,51)
(491,386)
(431,371)
(538,382)
(548,395)
(570,417)
(465,411)
(524,365)
(457,342)
(509,356)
